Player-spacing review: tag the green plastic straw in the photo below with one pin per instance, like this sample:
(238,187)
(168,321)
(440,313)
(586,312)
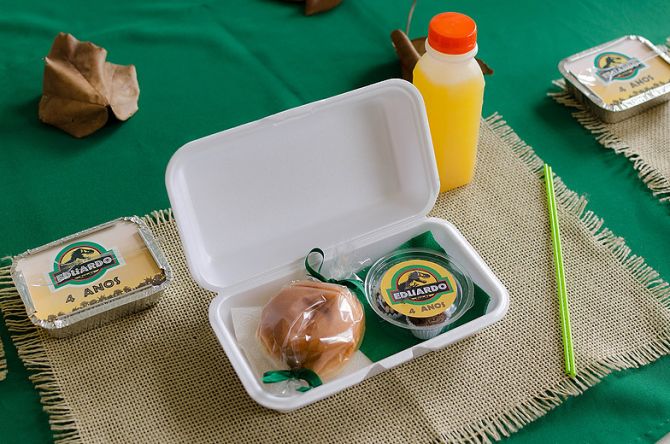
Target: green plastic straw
(568,352)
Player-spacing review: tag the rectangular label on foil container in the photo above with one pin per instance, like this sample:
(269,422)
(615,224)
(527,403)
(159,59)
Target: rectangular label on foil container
(621,71)
(96,267)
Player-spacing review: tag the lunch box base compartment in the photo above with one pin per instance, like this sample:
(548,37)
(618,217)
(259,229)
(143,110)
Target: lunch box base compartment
(258,291)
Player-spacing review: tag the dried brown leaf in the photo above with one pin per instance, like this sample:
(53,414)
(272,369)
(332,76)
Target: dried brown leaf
(123,89)
(407,52)
(316,6)
(80,87)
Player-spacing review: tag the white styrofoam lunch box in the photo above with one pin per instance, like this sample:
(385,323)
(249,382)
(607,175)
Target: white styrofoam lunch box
(356,169)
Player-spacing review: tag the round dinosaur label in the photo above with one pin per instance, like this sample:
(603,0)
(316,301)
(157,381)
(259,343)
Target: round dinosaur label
(418,288)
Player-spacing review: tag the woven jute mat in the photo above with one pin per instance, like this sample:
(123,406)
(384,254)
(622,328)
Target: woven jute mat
(3,363)
(161,376)
(644,139)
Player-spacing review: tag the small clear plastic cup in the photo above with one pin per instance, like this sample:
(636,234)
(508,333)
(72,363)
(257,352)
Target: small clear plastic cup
(420,290)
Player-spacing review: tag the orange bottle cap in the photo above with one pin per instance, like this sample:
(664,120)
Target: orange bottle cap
(452,33)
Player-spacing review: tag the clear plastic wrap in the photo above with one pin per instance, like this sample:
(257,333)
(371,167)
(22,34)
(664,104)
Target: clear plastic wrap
(312,325)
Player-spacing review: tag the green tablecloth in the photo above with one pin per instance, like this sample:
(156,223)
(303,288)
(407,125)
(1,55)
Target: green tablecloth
(207,66)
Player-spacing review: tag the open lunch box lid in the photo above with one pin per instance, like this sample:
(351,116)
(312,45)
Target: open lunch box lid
(260,196)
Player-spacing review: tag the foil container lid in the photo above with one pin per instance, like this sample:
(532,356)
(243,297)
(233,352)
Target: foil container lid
(619,75)
(82,264)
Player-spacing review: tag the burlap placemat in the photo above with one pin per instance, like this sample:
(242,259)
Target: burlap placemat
(161,376)
(3,363)
(644,139)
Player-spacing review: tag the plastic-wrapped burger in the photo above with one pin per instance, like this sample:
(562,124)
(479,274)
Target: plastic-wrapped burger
(421,290)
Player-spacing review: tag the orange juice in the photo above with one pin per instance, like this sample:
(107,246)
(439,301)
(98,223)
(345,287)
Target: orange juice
(452,86)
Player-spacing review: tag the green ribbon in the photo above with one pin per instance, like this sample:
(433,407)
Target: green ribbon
(352,284)
(304,374)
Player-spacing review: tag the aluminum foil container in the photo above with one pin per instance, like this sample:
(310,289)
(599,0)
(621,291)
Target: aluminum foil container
(619,79)
(92,277)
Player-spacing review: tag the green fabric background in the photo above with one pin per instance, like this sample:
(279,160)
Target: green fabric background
(210,65)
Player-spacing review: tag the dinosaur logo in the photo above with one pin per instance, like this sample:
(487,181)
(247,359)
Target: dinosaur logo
(81,263)
(414,279)
(417,285)
(616,66)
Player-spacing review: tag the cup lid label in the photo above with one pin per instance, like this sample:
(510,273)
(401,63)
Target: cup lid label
(418,288)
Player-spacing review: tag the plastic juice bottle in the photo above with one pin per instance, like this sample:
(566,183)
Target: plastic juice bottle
(452,86)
